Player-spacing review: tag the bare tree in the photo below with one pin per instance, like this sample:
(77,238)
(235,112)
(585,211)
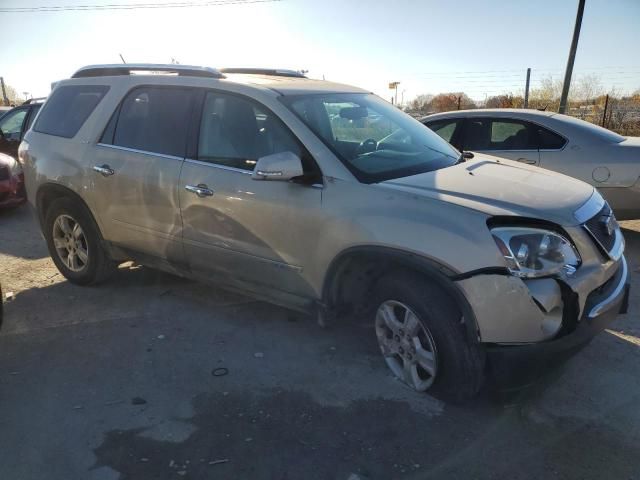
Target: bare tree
(505,101)
(422,103)
(587,88)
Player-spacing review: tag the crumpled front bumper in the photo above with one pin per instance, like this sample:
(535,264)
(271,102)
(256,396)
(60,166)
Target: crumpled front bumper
(513,365)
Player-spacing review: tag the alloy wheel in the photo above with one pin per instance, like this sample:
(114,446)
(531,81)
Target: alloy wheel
(70,243)
(407,346)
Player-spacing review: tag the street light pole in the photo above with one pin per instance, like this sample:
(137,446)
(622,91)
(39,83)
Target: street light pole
(572,58)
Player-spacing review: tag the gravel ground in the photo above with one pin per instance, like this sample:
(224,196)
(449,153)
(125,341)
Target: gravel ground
(117,382)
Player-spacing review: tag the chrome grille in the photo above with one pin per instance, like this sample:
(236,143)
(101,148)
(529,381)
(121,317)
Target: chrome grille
(604,228)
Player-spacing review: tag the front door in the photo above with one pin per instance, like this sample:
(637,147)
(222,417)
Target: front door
(11,130)
(502,137)
(252,233)
(136,169)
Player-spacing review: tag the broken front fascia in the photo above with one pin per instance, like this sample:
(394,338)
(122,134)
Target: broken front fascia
(511,310)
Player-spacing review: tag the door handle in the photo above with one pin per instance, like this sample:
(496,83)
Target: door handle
(527,161)
(104,170)
(201,190)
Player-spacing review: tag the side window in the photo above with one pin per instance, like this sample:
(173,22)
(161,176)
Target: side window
(152,119)
(11,124)
(236,132)
(477,134)
(68,108)
(549,140)
(444,128)
(512,135)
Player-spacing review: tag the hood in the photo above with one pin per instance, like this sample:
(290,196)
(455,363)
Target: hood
(496,186)
(631,142)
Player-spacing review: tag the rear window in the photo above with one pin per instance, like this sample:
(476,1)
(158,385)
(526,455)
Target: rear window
(68,108)
(549,140)
(152,119)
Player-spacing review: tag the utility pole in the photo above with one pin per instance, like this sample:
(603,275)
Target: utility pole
(459,97)
(526,89)
(606,104)
(5,99)
(572,58)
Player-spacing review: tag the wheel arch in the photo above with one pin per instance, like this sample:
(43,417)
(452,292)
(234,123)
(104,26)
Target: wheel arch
(49,192)
(358,268)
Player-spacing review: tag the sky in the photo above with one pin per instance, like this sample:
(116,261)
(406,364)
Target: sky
(479,47)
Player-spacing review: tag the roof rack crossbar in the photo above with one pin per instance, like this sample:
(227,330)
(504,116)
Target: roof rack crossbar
(276,72)
(127,68)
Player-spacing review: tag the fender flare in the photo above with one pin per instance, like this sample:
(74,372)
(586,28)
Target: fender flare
(440,274)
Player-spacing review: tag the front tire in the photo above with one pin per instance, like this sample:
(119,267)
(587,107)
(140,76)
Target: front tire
(74,243)
(423,340)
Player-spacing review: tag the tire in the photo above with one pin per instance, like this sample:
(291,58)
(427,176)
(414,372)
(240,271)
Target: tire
(429,350)
(90,263)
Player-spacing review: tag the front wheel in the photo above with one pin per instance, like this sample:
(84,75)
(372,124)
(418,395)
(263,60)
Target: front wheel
(422,338)
(74,243)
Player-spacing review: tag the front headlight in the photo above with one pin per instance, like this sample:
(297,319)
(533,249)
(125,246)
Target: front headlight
(535,252)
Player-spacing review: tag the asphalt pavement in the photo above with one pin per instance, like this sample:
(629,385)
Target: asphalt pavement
(151,376)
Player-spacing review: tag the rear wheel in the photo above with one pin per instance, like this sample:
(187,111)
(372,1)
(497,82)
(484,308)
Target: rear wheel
(74,243)
(422,337)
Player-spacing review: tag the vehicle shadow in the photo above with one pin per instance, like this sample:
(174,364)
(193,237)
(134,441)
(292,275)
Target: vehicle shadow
(133,291)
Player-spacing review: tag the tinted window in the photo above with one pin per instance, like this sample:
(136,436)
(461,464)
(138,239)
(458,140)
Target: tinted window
(68,108)
(236,132)
(11,124)
(375,140)
(549,140)
(444,128)
(499,134)
(153,119)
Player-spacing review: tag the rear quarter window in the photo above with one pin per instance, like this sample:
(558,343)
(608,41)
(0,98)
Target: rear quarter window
(68,108)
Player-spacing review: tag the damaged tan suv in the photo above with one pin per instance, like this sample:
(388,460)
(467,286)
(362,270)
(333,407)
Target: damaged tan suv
(326,199)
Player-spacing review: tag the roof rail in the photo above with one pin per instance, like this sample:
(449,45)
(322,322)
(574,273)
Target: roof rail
(127,68)
(277,72)
(34,100)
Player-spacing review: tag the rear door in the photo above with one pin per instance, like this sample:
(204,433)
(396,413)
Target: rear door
(137,168)
(255,234)
(502,137)
(450,130)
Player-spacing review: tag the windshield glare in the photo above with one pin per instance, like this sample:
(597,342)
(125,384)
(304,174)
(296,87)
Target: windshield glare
(374,139)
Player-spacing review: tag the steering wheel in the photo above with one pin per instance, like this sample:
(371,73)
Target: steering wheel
(367,146)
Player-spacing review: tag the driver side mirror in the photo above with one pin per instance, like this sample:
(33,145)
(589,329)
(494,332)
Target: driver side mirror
(281,166)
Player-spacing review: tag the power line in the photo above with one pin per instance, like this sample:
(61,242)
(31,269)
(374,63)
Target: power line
(131,6)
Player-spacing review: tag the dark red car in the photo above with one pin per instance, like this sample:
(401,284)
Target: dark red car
(12,191)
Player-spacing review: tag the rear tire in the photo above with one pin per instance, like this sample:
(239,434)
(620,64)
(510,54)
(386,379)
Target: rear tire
(423,339)
(75,244)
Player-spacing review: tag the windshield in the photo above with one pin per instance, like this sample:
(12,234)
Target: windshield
(374,139)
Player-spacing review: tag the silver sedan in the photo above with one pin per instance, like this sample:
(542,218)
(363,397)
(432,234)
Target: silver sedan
(606,160)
